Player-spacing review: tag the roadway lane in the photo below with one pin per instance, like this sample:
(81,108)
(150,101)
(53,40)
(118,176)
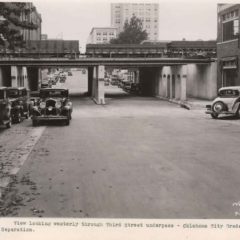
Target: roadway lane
(132,158)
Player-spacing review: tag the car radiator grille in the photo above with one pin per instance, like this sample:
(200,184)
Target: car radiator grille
(50,103)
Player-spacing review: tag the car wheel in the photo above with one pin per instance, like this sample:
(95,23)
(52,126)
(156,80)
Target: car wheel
(34,123)
(9,124)
(67,122)
(214,115)
(27,114)
(218,107)
(18,118)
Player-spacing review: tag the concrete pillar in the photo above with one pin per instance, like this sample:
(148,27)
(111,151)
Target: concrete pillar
(1,77)
(39,77)
(184,83)
(98,93)
(14,76)
(101,87)
(170,87)
(94,82)
(178,87)
(25,78)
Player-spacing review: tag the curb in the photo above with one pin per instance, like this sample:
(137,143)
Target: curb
(19,157)
(184,104)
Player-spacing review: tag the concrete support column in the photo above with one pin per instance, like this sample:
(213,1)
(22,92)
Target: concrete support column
(39,77)
(94,82)
(184,83)
(14,76)
(171,87)
(25,77)
(178,87)
(98,93)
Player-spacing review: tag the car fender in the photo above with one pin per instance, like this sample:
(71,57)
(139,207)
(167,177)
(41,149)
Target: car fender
(236,107)
(229,102)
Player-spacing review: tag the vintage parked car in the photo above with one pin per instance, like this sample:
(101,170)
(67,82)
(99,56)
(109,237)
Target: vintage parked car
(20,103)
(53,104)
(127,86)
(227,102)
(135,88)
(5,108)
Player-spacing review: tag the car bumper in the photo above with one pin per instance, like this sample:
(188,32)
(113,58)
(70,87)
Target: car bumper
(49,118)
(223,112)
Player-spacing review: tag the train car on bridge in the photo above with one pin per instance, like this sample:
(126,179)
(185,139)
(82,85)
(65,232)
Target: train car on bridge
(192,49)
(51,48)
(125,50)
(170,49)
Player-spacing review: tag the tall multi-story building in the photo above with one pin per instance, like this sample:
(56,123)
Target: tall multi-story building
(102,35)
(228,45)
(32,17)
(147,12)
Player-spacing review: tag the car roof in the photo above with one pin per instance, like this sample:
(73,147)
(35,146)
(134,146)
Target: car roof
(230,87)
(51,89)
(19,88)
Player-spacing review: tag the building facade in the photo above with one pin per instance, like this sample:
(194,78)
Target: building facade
(147,12)
(102,35)
(228,45)
(32,17)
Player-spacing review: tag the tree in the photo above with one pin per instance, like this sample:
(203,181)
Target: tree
(132,33)
(11,24)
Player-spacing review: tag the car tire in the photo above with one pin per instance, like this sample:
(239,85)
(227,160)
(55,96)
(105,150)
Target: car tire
(214,115)
(223,107)
(67,122)
(18,117)
(27,114)
(34,123)
(237,115)
(9,124)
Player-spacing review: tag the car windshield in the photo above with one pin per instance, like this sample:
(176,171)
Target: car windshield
(228,93)
(12,93)
(1,94)
(53,93)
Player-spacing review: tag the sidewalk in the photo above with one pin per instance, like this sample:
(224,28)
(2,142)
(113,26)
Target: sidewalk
(190,103)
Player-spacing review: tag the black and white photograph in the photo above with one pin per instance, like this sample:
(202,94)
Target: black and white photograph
(120,110)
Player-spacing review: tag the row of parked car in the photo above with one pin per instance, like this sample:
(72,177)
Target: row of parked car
(126,85)
(14,105)
(48,104)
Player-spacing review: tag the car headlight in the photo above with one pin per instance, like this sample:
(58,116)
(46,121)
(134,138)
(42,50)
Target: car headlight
(42,105)
(58,104)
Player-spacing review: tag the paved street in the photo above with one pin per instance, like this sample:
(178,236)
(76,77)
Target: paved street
(135,157)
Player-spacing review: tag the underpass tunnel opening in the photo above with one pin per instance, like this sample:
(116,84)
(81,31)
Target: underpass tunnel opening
(148,81)
(5,76)
(121,82)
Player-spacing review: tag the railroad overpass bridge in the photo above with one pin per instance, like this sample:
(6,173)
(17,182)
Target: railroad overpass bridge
(166,77)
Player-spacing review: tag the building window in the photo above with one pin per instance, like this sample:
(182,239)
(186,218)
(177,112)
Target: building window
(230,30)
(235,27)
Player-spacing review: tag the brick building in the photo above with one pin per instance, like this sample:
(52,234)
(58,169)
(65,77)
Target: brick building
(228,51)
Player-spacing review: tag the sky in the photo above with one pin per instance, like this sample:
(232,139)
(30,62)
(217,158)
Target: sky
(178,19)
